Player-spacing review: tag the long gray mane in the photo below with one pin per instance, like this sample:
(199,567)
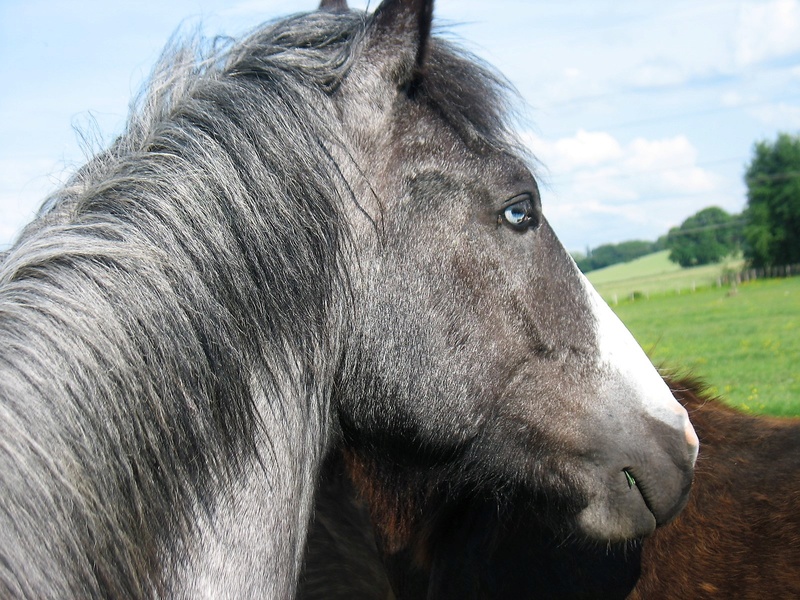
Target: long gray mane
(175,314)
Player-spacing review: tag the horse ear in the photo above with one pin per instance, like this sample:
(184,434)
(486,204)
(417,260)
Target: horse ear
(398,36)
(333,5)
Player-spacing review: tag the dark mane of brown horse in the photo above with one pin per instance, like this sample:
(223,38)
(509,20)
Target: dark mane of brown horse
(739,536)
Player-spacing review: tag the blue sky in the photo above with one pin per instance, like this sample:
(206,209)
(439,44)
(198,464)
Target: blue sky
(641,113)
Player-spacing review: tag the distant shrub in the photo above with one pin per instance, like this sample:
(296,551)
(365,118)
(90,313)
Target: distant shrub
(704,238)
(612,254)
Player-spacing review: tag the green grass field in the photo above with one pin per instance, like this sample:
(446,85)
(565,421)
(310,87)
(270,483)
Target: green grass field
(745,345)
(655,274)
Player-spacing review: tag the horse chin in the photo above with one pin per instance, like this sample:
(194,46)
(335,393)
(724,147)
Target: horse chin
(608,523)
(625,508)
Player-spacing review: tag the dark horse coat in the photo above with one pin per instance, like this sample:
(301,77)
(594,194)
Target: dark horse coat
(738,537)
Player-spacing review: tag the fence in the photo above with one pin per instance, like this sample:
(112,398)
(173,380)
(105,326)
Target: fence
(752,274)
(728,277)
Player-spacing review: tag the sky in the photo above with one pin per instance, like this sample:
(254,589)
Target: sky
(639,113)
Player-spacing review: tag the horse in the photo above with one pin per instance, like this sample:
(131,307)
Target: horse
(323,233)
(738,537)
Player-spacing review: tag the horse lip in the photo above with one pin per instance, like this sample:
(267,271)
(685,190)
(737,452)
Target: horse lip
(634,481)
(662,517)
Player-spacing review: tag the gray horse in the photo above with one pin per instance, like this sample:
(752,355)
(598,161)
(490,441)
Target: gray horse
(324,232)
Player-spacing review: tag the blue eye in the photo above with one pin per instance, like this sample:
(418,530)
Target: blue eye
(516,214)
(520,214)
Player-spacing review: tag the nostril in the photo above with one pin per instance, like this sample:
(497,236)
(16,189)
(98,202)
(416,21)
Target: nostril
(633,481)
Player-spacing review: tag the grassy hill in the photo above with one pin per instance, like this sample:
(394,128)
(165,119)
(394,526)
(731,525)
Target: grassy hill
(746,344)
(655,274)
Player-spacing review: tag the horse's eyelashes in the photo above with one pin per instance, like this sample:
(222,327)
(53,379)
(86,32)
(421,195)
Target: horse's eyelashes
(519,213)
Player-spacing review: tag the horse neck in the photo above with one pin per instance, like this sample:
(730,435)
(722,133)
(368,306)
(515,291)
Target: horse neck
(160,432)
(251,542)
(179,343)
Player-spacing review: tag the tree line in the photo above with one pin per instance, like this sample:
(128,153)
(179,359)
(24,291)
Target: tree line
(767,232)
(611,254)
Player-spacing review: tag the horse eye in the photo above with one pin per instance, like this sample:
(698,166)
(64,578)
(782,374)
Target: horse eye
(520,214)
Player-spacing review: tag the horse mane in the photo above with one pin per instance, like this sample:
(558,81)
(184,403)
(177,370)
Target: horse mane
(193,265)
(199,253)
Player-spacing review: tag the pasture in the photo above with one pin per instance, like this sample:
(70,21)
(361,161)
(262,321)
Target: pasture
(655,274)
(745,345)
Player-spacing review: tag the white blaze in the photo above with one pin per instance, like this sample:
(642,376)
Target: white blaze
(620,352)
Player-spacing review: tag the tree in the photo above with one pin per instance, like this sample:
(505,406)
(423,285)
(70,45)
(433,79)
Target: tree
(611,254)
(704,238)
(772,232)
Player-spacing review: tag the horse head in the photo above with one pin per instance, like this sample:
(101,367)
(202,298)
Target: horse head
(481,352)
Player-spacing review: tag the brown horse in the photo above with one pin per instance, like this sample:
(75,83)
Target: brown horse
(739,536)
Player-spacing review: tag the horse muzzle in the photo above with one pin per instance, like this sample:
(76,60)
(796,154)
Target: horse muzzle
(635,488)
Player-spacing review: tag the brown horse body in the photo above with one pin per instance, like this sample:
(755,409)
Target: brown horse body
(739,536)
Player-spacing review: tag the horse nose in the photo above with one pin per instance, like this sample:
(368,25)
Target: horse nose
(644,475)
(663,473)
(692,441)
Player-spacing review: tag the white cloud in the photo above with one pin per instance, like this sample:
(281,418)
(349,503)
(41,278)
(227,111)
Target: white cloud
(585,149)
(767,30)
(782,116)
(646,154)
(661,73)
(601,188)
(600,158)
(732,99)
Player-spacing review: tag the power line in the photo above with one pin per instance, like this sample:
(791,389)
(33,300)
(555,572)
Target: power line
(673,116)
(779,176)
(782,176)
(647,199)
(677,231)
(590,177)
